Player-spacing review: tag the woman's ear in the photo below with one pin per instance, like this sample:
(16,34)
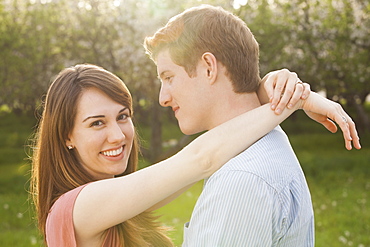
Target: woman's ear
(69,144)
(210,62)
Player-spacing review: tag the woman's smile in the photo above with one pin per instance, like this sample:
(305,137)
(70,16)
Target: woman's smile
(113,153)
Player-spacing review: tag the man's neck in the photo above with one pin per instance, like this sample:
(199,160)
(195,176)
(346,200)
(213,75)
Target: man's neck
(234,104)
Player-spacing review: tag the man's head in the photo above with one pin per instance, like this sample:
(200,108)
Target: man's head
(202,29)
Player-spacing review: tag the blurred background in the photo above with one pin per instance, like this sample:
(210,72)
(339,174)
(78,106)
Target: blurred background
(326,42)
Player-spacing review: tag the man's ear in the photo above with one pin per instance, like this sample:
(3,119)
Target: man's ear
(210,62)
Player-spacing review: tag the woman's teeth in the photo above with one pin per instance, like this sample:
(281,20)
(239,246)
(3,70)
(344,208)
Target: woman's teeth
(113,152)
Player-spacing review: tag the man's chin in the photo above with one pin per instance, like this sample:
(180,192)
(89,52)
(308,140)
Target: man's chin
(186,130)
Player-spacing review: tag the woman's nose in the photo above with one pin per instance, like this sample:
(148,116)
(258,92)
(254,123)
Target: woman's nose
(115,134)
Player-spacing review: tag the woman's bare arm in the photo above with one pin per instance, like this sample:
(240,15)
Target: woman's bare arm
(105,203)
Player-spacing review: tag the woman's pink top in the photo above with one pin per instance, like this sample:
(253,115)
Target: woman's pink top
(59,223)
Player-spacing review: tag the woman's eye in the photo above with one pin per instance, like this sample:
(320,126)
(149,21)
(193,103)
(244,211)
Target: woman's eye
(123,117)
(96,123)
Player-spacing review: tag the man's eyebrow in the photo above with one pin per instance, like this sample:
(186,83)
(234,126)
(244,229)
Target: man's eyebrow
(161,75)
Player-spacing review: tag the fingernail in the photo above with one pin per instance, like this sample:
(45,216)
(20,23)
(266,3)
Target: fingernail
(304,96)
(273,107)
(290,106)
(278,111)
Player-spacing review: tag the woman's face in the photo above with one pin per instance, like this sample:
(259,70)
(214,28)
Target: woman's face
(102,135)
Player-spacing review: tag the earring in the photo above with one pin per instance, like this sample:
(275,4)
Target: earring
(70,147)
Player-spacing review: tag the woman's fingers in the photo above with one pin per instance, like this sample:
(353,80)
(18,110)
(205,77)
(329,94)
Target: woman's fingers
(323,110)
(285,89)
(348,127)
(292,90)
(306,90)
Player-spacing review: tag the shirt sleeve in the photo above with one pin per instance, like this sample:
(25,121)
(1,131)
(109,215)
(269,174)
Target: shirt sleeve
(236,208)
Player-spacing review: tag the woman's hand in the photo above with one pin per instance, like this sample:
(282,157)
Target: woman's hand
(282,88)
(325,111)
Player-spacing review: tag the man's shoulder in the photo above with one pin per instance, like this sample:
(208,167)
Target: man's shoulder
(271,150)
(270,160)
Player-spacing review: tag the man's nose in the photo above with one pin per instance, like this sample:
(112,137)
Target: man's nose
(164,96)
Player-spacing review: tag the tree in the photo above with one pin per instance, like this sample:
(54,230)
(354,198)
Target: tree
(326,41)
(31,52)
(40,37)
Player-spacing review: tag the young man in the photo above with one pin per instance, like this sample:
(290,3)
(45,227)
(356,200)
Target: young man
(207,60)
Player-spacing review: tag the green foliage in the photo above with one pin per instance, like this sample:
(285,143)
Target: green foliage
(324,41)
(15,132)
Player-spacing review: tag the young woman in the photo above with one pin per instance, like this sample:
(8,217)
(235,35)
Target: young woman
(84,184)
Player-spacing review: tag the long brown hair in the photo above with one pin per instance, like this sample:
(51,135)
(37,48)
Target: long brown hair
(56,170)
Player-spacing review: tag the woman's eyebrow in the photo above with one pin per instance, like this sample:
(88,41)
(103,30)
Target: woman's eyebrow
(122,110)
(97,116)
(102,116)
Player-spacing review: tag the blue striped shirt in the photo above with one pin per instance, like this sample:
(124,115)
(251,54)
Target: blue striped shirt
(258,198)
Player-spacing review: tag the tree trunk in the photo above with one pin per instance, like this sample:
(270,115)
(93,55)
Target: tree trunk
(156,133)
(363,117)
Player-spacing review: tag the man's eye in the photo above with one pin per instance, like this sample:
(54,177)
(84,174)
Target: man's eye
(168,78)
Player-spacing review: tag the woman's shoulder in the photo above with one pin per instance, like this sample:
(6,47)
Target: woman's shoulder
(59,223)
(69,196)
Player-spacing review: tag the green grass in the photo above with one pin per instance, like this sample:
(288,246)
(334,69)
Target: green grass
(178,212)
(16,224)
(339,181)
